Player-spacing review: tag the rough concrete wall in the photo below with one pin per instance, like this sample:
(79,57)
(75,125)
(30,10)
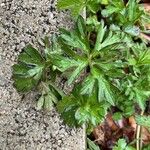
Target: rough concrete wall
(22,127)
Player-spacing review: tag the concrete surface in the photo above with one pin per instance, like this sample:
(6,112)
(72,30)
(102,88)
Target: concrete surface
(22,127)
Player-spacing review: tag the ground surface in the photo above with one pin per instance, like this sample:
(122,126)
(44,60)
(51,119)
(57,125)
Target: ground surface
(22,127)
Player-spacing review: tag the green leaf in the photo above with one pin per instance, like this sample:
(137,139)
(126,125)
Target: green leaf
(134,12)
(88,85)
(40,103)
(144,58)
(132,30)
(100,35)
(93,5)
(122,145)
(81,26)
(77,72)
(117,116)
(114,7)
(140,98)
(105,40)
(76,6)
(49,96)
(96,79)
(92,145)
(30,56)
(143,120)
(92,113)
(63,63)
(122,14)
(78,109)
(28,72)
(67,107)
(69,52)
(104,91)
(109,11)
(78,37)
(147,147)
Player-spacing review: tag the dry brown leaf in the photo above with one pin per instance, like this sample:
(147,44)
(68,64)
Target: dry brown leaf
(111,123)
(108,133)
(132,122)
(145,135)
(99,135)
(147,7)
(142,35)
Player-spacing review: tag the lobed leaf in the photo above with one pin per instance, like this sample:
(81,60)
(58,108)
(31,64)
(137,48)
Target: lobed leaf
(28,72)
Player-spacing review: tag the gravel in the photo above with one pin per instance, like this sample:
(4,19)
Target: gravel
(22,127)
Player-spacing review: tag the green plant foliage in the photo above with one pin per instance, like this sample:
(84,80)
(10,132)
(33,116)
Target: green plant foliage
(82,56)
(129,16)
(147,147)
(29,70)
(49,96)
(122,145)
(32,72)
(92,145)
(82,109)
(117,116)
(143,120)
(77,6)
(104,54)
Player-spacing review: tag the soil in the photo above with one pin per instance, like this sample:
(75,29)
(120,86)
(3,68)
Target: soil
(22,127)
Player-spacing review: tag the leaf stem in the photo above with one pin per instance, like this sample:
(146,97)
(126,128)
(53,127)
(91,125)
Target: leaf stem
(138,136)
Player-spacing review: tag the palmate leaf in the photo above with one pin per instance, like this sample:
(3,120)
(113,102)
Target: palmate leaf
(126,15)
(81,24)
(134,12)
(76,6)
(94,5)
(141,56)
(29,70)
(51,46)
(78,37)
(92,145)
(49,96)
(80,54)
(140,98)
(88,85)
(107,40)
(104,91)
(138,86)
(78,109)
(114,6)
(93,113)
(143,120)
(144,58)
(122,145)
(77,72)
(64,64)
(71,42)
(96,81)
(136,90)
(67,108)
